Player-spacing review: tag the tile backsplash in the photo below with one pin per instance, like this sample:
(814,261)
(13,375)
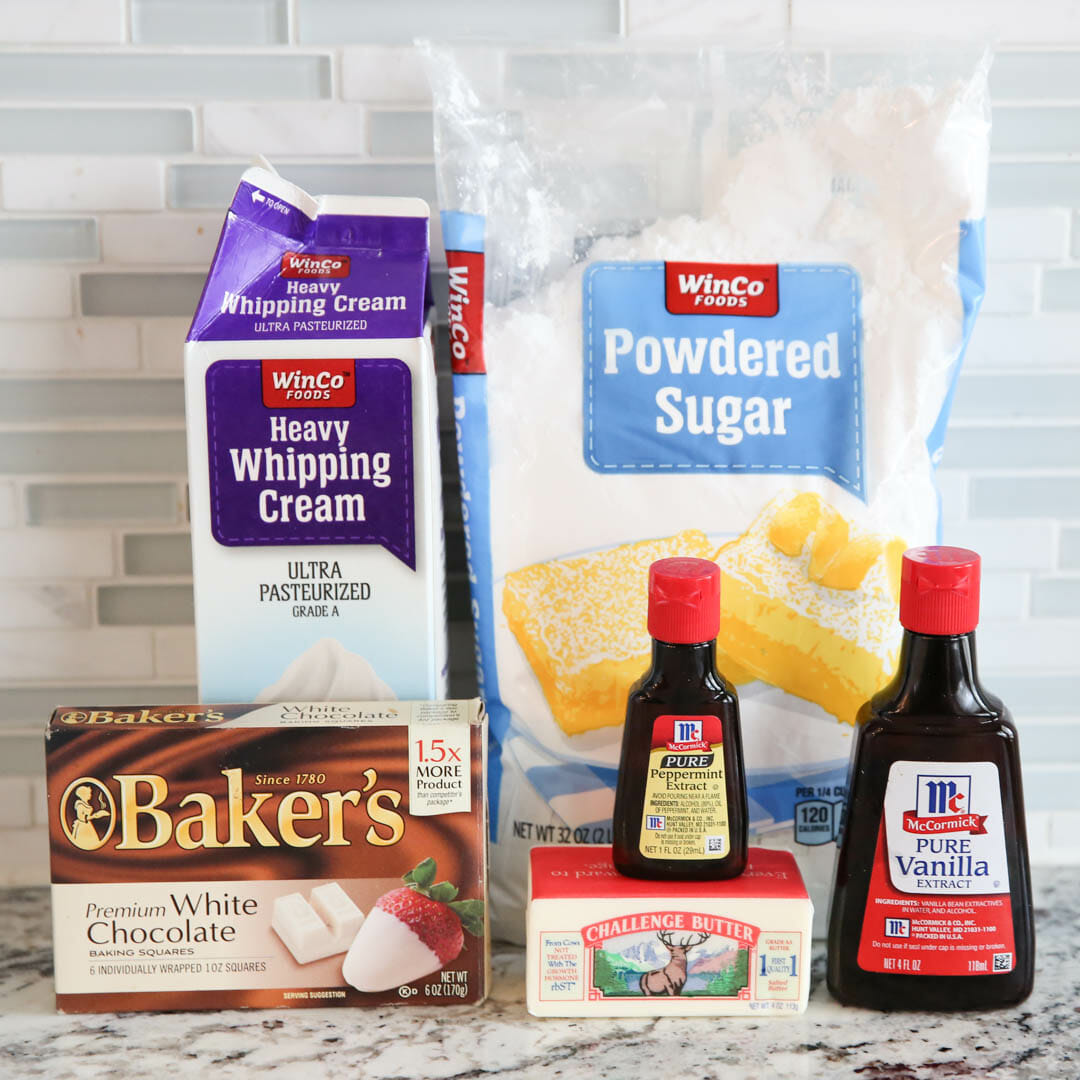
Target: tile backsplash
(124,125)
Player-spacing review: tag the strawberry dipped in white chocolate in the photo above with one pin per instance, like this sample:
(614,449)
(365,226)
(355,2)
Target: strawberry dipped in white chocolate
(411,932)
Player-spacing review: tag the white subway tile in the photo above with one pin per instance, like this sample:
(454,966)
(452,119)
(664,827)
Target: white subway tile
(58,655)
(1070,549)
(39,801)
(698,18)
(1050,497)
(174,653)
(74,129)
(42,606)
(383,73)
(1036,643)
(285,128)
(163,343)
(76,21)
(1006,545)
(952,486)
(1004,595)
(1038,834)
(182,75)
(15,805)
(145,605)
(1010,289)
(57,401)
(1026,235)
(1044,129)
(1032,395)
(1013,446)
(56,553)
(140,293)
(82,183)
(1025,342)
(1065,829)
(400,132)
(1034,183)
(80,452)
(9,505)
(1055,596)
(161,554)
(35,292)
(972,20)
(108,503)
(24,857)
(160,238)
(330,21)
(1022,74)
(48,239)
(82,345)
(1061,289)
(210,22)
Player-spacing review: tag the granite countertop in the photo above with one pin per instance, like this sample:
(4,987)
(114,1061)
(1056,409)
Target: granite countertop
(1040,1039)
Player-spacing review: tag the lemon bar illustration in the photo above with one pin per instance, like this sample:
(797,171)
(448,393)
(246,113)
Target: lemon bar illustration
(581,622)
(808,603)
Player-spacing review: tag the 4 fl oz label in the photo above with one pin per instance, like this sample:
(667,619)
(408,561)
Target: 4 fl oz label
(939,900)
(685,814)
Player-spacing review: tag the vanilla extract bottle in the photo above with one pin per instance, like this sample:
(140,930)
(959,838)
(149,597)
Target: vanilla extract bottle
(932,902)
(680,804)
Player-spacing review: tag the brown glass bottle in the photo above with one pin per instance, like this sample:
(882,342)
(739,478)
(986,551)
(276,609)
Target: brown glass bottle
(932,901)
(680,804)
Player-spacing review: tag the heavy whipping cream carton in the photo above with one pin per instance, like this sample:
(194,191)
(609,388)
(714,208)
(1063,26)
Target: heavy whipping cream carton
(601,944)
(313,452)
(300,854)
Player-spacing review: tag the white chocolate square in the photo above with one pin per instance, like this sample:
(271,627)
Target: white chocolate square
(322,927)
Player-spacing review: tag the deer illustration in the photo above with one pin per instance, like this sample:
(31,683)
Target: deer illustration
(671,978)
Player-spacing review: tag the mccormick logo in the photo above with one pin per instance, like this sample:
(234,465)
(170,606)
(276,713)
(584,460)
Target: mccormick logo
(301,264)
(308,384)
(687,735)
(697,288)
(942,804)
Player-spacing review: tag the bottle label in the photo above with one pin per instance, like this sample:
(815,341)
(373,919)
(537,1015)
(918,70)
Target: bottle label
(939,901)
(686,807)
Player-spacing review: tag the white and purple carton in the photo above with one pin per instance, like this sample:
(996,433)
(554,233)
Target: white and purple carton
(315,489)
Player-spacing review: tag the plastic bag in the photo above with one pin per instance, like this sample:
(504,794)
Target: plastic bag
(702,302)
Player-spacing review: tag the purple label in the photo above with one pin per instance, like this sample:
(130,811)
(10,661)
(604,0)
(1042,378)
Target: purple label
(310,472)
(279,274)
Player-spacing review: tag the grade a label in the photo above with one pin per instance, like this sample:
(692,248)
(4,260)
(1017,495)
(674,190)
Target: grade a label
(686,810)
(939,901)
(724,367)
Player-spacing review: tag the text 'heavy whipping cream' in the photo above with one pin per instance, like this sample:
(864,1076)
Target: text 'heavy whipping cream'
(313,452)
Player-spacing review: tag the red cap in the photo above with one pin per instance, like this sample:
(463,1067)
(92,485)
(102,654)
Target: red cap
(939,590)
(684,600)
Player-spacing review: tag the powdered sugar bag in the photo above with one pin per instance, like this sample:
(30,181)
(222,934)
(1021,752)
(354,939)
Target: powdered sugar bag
(707,303)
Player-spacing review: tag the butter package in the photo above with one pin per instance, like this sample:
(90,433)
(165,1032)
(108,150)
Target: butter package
(315,487)
(298,854)
(600,944)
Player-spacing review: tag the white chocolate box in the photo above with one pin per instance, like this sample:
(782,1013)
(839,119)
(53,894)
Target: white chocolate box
(296,854)
(600,944)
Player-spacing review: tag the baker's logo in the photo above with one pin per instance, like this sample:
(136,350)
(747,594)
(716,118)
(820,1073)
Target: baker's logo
(697,288)
(942,805)
(301,264)
(87,813)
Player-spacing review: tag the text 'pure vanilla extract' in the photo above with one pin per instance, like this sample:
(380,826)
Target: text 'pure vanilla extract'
(932,907)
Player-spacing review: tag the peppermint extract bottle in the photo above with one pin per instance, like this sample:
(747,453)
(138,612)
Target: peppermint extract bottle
(680,803)
(932,904)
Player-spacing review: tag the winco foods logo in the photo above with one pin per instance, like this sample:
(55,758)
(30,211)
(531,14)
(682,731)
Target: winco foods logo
(301,264)
(695,288)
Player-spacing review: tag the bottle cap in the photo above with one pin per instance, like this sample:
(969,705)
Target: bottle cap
(684,600)
(939,590)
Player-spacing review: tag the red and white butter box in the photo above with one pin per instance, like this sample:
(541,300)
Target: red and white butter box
(600,944)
